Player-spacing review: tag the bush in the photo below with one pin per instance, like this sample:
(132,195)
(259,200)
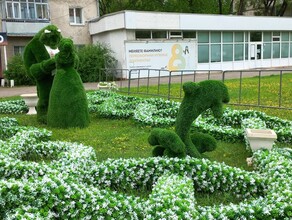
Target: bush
(16,71)
(92,59)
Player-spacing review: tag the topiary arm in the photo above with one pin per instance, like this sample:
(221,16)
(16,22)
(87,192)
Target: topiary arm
(37,69)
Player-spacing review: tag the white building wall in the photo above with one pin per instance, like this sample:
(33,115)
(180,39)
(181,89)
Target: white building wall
(118,28)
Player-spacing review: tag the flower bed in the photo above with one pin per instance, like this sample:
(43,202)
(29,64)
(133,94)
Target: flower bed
(158,112)
(72,185)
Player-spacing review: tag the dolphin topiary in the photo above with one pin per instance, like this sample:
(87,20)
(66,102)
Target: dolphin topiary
(198,98)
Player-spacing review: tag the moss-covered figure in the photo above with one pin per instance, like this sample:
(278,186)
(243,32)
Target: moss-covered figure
(198,98)
(40,64)
(68,105)
(203,142)
(166,143)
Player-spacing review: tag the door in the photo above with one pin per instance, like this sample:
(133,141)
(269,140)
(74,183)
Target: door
(255,50)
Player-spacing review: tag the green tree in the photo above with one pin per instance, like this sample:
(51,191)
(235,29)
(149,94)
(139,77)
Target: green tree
(186,6)
(93,58)
(263,7)
(17,71)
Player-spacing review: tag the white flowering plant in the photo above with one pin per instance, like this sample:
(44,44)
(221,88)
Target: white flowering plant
(157,112)
(73,185)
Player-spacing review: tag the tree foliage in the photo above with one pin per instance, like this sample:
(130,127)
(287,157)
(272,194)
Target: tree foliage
(17,71)
(239,7)
(186,6)
(262,7)
(93,58)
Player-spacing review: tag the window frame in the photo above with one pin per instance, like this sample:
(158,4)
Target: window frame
(75,16)
(27,9)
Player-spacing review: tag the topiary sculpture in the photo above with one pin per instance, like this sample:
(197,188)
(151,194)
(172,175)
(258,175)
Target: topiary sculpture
(198,98)
(68,105)
(40,63)
(166,143)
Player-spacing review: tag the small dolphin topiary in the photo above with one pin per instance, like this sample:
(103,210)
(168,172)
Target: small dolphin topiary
(68,105)
(166,143)
(198,98)
(40,64)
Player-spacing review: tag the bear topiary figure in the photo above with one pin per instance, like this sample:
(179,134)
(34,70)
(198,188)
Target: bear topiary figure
(198,98)
(68,105)
(40,64)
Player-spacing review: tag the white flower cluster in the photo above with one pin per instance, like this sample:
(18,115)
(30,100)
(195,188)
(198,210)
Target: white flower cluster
(72,185)
(13,107)
(158,112)
(230,127)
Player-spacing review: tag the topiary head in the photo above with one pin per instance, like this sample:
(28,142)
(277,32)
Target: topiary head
(66,45)
(50,36)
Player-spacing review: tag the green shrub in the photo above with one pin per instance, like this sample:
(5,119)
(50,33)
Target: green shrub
(16,71)
(92,59)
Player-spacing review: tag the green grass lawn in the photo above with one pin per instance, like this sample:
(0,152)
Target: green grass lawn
(269,93)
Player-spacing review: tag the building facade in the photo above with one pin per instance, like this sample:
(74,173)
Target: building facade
(22,19)
(175,41)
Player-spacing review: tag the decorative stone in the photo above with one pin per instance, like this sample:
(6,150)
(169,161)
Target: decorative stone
(260,138)
(103,87)
(31,101)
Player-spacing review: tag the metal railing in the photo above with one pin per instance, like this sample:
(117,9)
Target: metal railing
(168,84)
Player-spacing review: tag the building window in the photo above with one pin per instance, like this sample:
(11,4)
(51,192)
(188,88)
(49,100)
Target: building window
(75,16)
(189,34)
(18,50)
(27,9)
(159,34)
(143,34)
(255,36)
(175,35)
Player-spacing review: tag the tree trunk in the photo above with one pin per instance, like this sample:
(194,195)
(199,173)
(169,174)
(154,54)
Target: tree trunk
(220,7)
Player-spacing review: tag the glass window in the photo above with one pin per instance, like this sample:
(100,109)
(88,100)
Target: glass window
(215,37)
(13,10)
(290,49)
(276,36)
(215,52)
(238,37)
(267,50)
(267,36)
(159,34)
(238,51)
(175,34)
(227,52)
(143,34)
(75,15)
(276,50)
(203,53)
(255,36)
(27,9)
(189,34)
(285,36)
(31,11)
(203,37)
(42,11)
(18,50)
(227,37)
(284,50)
(246,52)
(23,10)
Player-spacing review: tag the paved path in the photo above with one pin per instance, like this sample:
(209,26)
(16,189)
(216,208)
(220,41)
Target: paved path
(18,90)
